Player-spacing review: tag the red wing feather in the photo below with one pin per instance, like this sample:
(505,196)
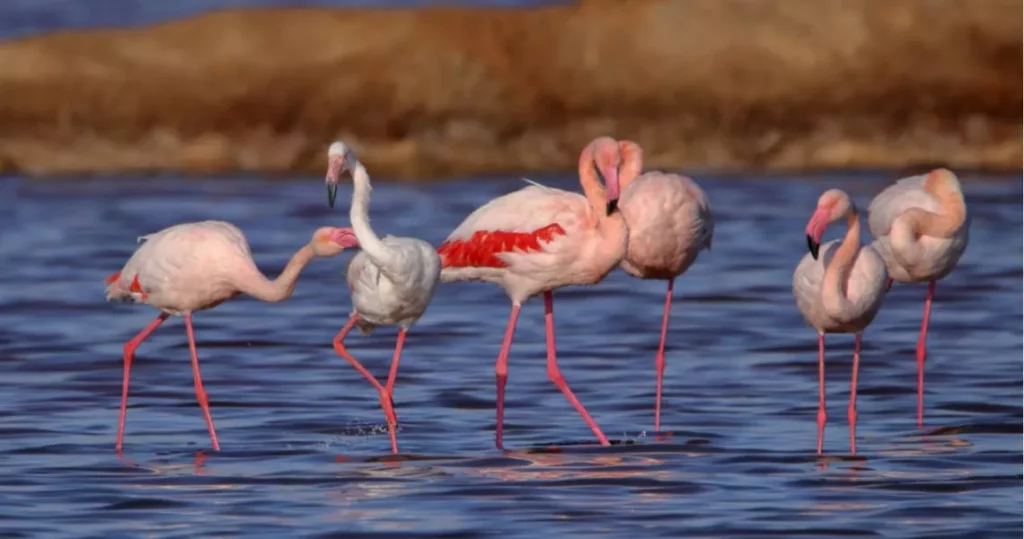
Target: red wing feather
(112,278)
(481,248)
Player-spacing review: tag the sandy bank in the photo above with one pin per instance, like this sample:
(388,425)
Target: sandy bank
(788,84)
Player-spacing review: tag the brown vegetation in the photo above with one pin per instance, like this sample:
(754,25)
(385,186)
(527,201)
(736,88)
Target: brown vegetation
(785,84)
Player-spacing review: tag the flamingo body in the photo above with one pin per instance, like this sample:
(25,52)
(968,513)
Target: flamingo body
(530,241)
(936,257)
(184,268)
(670,223)
(864,288)
(382,301)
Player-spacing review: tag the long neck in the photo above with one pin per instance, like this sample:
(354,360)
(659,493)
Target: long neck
(360,217)
(592,187)
(258,286)
(632,162)
(837,274)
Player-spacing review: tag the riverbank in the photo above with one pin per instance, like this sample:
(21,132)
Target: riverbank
(722,84)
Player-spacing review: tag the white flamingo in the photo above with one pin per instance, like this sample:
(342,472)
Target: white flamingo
(670,223)
(196,266)
(392,280)
(920,225)
(839,291)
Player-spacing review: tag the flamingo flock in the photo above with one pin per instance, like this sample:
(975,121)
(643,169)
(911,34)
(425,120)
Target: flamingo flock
(538,239)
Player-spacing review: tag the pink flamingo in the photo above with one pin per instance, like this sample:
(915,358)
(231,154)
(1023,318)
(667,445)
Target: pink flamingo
(920,225)
(392,280)
(670,223)
(538,239)
(196,266)
(839,291)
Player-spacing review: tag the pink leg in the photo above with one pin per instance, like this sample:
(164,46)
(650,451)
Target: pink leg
(821,390)
(390,387)
(851,412)
(385,397)
(129,355)
(659,360)
(201,396)
(501,372)
(556,375)
(922,353)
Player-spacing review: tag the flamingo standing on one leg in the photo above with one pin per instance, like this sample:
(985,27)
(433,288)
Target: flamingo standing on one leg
(538,239)
(839,291)
(920,225)
(392,281)
(670,223)
(196,266)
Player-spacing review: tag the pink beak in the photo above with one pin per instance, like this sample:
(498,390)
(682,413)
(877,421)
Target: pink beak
(344,237)
(816,229)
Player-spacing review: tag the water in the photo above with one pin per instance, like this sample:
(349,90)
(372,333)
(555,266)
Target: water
(305,449)
(19,18)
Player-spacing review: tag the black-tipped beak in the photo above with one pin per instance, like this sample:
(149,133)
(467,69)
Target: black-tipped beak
(613,205)
(813,246)
(332,191)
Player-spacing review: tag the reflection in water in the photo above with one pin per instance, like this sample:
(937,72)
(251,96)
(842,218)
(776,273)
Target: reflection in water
(303,435)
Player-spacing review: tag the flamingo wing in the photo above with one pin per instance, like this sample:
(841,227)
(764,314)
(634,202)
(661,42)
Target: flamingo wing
(524,221)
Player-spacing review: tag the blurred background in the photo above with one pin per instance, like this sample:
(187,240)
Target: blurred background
(428,89)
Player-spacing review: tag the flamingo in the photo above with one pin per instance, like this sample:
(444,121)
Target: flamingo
(392,280)
(191,267)
(670,223)
(536,240)
(838,288)
(920,225)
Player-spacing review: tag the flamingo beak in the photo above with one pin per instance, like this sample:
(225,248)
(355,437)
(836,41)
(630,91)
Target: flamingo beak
(813,247)
(611,185)
(816,229)
(334,167)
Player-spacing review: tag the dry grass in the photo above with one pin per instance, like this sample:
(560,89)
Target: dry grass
(788,84)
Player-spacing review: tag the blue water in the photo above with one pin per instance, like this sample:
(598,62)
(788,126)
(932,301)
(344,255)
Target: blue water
(20,18)
(305,452)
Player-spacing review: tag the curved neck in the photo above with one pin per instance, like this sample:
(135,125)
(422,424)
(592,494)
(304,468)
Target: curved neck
(632,162)
(837,274)
(592,187)
(359,214)
(255,284)
(952,213)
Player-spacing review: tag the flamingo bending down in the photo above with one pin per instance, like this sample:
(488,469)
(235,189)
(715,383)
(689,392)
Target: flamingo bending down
(838,288)
(920,225)
(196,266)
(538,239)
(392,280)
(670,223)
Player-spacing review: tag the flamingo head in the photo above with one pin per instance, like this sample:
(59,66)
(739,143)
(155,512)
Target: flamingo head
(330,241)
(605,152)
(832,206)
(339,159)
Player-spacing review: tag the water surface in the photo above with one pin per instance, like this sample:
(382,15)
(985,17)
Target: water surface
(305,452)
